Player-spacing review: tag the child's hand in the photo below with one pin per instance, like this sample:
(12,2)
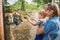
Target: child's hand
(27,18)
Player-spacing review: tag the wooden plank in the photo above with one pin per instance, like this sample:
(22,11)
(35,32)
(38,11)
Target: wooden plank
(1,22)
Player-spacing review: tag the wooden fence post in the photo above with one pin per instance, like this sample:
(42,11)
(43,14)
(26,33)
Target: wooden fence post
(1,22)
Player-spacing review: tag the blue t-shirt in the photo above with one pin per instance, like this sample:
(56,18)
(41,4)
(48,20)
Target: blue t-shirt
(51,29)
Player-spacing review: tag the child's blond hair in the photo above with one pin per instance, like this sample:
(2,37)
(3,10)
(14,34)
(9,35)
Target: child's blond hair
(42,13)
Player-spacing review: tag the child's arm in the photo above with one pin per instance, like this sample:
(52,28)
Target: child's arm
(32,22)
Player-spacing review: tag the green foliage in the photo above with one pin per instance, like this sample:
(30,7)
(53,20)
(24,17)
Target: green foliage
(5,1)
(30,6)
(20,0)
(39,2)
(47,1)
(17,5)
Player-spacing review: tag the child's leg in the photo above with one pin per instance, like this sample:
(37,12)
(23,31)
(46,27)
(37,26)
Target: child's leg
(39,37)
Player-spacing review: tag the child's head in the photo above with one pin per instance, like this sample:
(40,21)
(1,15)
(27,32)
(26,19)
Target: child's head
(41,15)
(51,9)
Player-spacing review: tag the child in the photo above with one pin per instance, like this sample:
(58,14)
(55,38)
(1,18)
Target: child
(39,22)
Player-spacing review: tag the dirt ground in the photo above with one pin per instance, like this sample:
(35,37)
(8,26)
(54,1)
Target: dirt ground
(24,31)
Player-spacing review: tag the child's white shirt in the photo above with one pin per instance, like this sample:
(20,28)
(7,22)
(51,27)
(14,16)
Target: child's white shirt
(40,20)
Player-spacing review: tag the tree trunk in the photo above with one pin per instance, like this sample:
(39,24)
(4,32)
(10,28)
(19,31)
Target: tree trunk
(23,5)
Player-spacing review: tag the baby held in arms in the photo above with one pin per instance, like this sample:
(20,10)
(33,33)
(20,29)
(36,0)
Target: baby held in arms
(38,22)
